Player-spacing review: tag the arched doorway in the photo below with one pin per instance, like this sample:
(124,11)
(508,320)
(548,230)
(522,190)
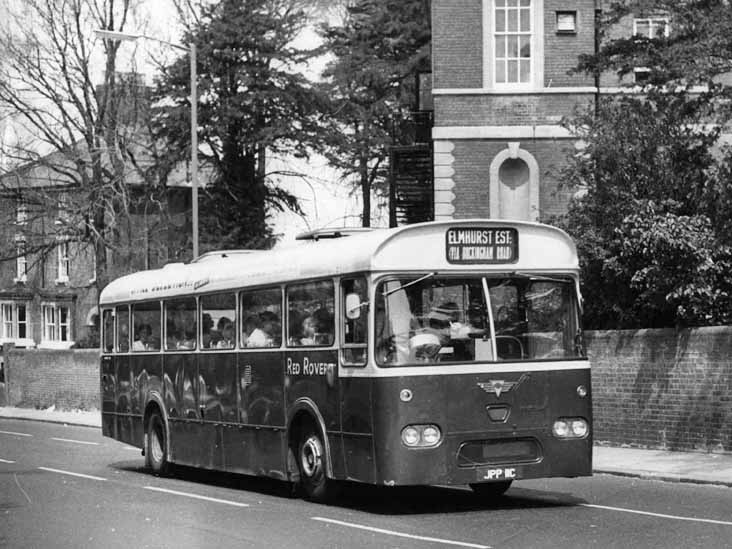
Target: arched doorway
(514,185)
(513,189)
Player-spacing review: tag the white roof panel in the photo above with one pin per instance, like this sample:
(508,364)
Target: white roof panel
(419,247)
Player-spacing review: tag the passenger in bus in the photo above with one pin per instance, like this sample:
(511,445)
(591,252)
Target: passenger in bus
(228,335)
(207,338)
(143,338)
(309,331)
(325,326)
(250,325)
(271,326)
(188,341)
(265,335)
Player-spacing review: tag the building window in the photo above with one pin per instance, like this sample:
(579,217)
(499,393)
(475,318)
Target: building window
(21,213)
(649,28)
(63,261)
(657,27)
(513,30)
(21,261)
(14,321)
(566,22)
(62,205)
(56,323)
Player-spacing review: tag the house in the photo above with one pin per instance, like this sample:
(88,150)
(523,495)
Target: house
(48,264)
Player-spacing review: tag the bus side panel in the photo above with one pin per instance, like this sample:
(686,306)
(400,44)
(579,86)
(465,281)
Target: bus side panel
(184,422)
(107,386)
(146,372)
(261,449)
(217,404)
(358,450)
(124,397)
(314,375)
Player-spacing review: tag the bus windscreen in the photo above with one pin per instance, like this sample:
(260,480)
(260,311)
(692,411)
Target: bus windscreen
(476,319)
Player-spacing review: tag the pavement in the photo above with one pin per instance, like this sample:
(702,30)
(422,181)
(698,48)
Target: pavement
(662,465)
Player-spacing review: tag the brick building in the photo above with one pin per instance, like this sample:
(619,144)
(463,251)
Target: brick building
(502,82)
(48,283)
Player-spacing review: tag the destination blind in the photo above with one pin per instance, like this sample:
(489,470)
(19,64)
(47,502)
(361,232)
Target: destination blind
(473,245)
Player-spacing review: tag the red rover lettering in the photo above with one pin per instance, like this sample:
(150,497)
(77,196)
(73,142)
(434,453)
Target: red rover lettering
(307,368)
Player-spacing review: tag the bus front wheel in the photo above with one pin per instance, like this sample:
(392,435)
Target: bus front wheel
(491,489)
(311,460)
(156,455)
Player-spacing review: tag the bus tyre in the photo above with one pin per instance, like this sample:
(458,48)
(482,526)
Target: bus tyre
(311,461)
(491,489)
(156,458)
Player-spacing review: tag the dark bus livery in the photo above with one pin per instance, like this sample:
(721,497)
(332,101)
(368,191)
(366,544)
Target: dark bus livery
(443,353)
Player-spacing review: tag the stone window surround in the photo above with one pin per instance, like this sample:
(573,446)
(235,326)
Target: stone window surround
(537,49)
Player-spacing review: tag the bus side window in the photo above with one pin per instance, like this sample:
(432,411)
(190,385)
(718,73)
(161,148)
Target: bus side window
(146,324)
(354,332)
(122,314)
(261,318)
(180,324)
(310,314)
(108,323)
(218,321)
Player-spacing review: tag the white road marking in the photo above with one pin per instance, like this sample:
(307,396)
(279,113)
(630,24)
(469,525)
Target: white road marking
(401,534)
(6,461)
(75,441)
(660,515)
(16,434)
(196,496)
(131,448)
(62,472)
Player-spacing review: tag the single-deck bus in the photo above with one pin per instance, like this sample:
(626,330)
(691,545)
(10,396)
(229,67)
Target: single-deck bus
(443,353)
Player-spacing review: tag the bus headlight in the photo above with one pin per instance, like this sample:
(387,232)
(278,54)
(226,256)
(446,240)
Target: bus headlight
(421,436)
(572,427)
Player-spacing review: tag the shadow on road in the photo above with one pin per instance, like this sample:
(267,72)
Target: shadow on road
(380,500)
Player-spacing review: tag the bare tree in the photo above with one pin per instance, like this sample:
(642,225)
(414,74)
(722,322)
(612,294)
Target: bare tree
(87,162)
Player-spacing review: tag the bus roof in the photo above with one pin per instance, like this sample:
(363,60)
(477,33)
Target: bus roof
(433,246)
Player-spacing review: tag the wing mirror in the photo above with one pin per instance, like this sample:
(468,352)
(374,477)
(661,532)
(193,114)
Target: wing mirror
(353,306)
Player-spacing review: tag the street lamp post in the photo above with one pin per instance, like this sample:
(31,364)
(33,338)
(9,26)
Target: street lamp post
(191,50)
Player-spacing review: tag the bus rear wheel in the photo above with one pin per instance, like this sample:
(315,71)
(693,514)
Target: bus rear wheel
(491,489)
(312,462)
(156,454)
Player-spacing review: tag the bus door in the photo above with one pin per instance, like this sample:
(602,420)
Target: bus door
(108,377)
(311,360)
(356,390)
(125,386)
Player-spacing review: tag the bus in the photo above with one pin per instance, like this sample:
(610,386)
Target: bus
(440,353)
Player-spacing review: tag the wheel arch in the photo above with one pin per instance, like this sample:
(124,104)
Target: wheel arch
(155,404)
(304,411)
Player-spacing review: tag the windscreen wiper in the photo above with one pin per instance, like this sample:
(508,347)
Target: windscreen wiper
(387,293)
(544,278)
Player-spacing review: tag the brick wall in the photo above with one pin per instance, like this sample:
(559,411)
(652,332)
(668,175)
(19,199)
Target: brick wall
(473,159)
(509,110)
(457,36)
(68,380)
(561,50)
(663,388)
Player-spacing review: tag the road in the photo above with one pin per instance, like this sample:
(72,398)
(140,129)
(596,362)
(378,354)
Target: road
(67,486)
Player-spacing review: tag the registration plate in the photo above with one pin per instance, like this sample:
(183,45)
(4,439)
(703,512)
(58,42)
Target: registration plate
(499,473)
